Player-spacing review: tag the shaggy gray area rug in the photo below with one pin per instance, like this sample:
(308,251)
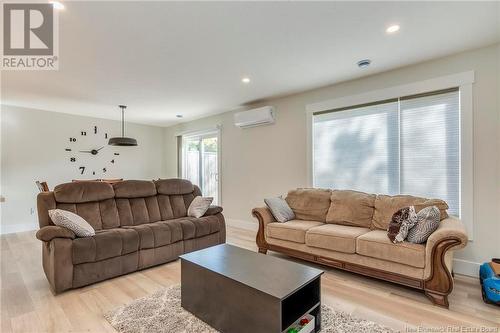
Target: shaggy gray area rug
(162,312)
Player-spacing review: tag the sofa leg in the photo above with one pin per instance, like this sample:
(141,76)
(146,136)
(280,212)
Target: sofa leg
(440,282)
(438,299)
(260,238)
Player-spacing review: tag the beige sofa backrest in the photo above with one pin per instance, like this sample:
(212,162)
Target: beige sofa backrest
(126,203)
(387,205)
(309,203)
(351,208)
(354,208)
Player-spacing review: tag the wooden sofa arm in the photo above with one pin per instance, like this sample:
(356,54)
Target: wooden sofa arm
(450,235)
(450,227)
(264,216)
(47,233)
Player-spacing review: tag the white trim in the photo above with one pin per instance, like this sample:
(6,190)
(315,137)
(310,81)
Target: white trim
(204,130)
(439,83)
(467,159)
(309,150)
(219,165)
(243,224)
(18,227)
(462,80)
(466,267)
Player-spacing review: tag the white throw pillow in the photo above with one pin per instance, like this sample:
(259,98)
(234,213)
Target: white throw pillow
(199,206)
(280,209)
(73,222)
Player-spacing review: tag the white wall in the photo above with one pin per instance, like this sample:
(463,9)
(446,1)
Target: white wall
(269,160)
(33,148)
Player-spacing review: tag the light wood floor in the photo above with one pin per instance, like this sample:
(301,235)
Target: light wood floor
(27,305)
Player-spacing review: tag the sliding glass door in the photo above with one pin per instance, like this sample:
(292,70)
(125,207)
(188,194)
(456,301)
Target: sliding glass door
(200,162)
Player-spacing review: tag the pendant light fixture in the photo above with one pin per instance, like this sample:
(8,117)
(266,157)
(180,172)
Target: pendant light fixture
(122,140)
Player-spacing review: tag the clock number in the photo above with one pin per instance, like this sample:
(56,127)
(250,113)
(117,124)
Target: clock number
(68,149)
(105,135)
(82,170)
(72,139)
(93,172)
(72,159)
(104,170)
(117,154)
(95,129)
(112,161)
(84,133)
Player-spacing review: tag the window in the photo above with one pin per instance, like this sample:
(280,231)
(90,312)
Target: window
(200,162)
(406,145)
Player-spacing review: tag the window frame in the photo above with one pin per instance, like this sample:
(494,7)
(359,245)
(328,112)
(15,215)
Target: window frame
(464,83)
(208,132)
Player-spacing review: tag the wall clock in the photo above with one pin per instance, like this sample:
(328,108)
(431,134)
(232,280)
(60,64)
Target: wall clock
(90,153)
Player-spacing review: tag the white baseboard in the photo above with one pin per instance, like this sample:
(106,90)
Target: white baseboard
(18,227)
(466,267)
(248,225)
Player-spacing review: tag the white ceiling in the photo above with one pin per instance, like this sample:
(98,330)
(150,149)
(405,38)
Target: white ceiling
(168,58)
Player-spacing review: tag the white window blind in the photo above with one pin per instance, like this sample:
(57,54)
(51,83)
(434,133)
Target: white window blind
(409,145)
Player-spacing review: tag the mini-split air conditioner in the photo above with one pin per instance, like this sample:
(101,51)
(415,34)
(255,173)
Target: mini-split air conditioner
(254,117)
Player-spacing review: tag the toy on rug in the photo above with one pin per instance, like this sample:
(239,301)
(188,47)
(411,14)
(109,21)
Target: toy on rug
(489,275)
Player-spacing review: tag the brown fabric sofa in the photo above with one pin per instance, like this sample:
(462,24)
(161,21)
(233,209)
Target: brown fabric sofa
(138,224)
(347,230)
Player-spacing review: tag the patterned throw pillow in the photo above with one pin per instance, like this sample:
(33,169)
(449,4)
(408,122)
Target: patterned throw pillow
(280,209)
(199,206)
(402,221)
(73,222)
(427,222)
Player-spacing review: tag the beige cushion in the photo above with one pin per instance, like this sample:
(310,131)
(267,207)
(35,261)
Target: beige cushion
(386,206)
(199,206)
(376,244)
(309,204)
(351,208)
(73,222)
(335,237)
(294,230)
(353,258)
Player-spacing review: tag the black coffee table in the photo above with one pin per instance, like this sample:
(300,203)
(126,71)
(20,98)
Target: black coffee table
(237,290)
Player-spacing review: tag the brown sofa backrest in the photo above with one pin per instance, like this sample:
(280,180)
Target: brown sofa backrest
(126,203)
(175,196)
(94,201)
(136,202)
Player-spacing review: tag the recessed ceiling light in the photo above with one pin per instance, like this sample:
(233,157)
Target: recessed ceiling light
(179,115)
(245,80)
(392,29)
(364,63)
(57,5)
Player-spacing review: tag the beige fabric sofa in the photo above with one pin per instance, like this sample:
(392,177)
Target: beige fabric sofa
(138,224)
(347,230)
